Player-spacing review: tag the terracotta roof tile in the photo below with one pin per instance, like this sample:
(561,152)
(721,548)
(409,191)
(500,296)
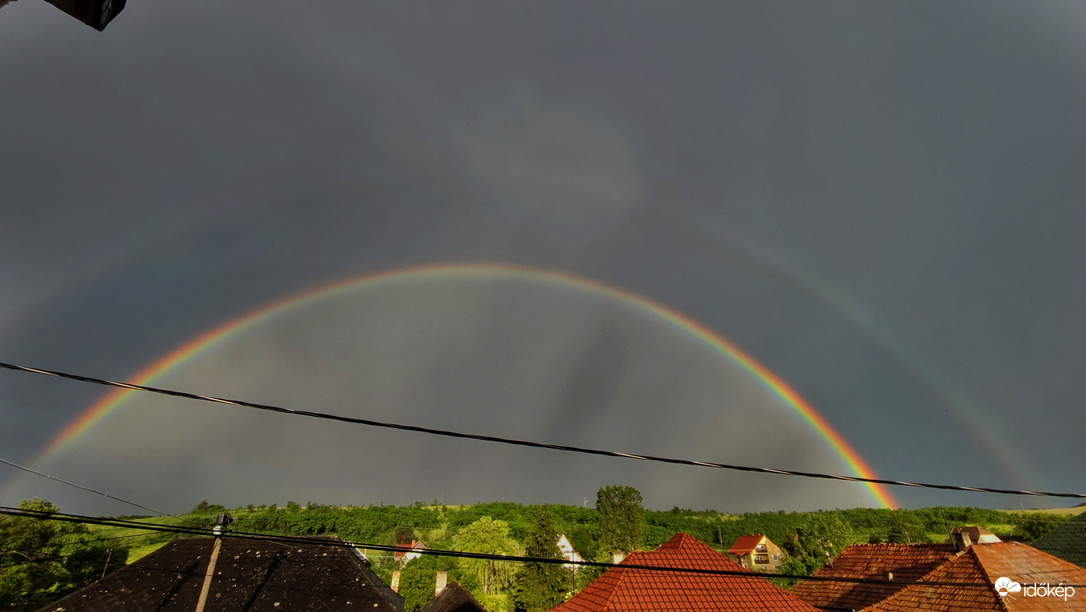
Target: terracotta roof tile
(907,563)
(1067,541)
(987,563)
(625,589)
(745,544)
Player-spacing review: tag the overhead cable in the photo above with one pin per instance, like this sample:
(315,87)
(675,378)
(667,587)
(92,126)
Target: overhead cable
(78,486)
(528,443)
(318,541)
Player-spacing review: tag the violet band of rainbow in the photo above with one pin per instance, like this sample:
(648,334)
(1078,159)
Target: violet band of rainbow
(208,339)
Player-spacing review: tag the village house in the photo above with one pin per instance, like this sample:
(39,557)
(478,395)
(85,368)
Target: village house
(896,564)
(249,574)
(454,598)
(1067,541)
(408,552)
(756,552)
(628,588)
(1018,578)
(568,553)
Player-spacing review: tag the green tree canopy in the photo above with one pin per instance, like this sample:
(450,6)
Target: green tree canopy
(621,521)
(419,578)
(541,586)
(491,537)
(42,560)
(820,538)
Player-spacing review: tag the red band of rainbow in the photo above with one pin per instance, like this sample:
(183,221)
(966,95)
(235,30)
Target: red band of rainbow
(208,339)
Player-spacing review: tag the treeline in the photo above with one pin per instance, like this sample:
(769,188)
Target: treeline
(41,561)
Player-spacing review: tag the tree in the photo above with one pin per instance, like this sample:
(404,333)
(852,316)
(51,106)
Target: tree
(490,537)
(821,537)
(43,560)
(1033,526)
(621,518)
(207,508)
(419,578)
(541,586)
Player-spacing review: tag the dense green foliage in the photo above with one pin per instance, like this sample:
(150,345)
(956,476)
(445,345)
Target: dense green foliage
(419,578)
(491,537)
(621,518)
(43,560)
(819,539)
(541,586)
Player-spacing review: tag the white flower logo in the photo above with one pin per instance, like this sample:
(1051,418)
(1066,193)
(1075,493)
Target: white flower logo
(1006,585)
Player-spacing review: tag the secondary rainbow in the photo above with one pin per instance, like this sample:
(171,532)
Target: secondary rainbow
(775,383)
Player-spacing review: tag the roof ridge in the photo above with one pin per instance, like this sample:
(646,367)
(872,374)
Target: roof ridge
(984,571)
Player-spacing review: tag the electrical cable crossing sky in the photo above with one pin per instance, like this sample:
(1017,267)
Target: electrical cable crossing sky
(527,443)
(302,540)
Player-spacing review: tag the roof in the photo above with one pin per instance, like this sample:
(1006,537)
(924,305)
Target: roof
(987,563)
(403,549)
(249,575)
(1067,541)
(746,544)
(454,598)
(623,588)
(907,562)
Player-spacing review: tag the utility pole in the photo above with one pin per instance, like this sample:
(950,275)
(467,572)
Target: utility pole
(220,526)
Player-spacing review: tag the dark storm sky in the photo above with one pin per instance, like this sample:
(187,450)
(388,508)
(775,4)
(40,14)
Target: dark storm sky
(880,202)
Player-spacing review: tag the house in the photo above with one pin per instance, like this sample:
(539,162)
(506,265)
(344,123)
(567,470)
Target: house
(566,549)
(1016,577)
(454,598)
(756,552)
(900,563)
(249,574)
(407,552)
(629,588)
(1067,541)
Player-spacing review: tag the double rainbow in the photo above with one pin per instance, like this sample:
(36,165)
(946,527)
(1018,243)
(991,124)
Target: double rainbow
(208,339)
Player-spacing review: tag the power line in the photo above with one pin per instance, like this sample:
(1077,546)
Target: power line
(309,541)
(78,486)
(528,443)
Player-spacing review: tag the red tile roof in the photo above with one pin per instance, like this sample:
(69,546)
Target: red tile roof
(987,563)
(745,544)
(403,549)
(908,563)
(627,589)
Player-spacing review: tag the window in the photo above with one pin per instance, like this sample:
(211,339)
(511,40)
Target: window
(761,559)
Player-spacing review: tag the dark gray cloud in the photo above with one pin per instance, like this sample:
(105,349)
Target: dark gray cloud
(878,202)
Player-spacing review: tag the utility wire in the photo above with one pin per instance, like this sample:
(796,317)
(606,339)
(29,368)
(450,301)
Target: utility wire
(72,484)
(527,443)
(310,541)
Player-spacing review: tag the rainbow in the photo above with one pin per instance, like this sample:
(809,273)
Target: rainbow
(205,341)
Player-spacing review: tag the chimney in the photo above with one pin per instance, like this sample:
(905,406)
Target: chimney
(617,556)
(961,539)
(395,586)
(442,582)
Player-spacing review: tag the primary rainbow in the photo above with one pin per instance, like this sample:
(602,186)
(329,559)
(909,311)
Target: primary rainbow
(210,338)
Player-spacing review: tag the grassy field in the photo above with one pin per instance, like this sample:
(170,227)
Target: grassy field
(141,543)
(1059,511)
